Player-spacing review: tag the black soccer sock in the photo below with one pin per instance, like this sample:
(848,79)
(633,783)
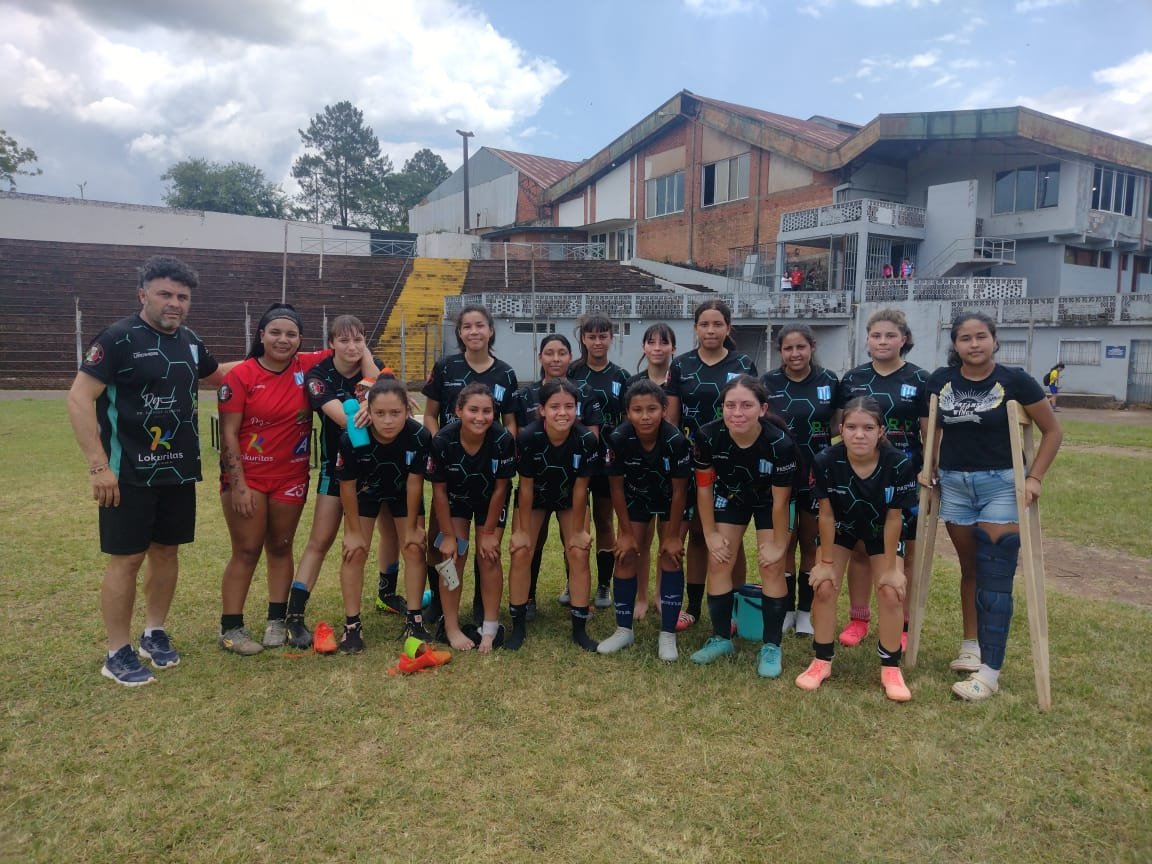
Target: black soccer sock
(297,600)
(671,598)
(387,583)
(231,622)
(720,610)
(519,613)
(888,657)
(580,629)
(805,594)
(695,594)
(605,567)
(277,611)
(624,595)
(352,621)
(772,612)
(790,580)
(824,650)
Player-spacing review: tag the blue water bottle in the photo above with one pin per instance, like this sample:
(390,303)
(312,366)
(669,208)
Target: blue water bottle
(358,435)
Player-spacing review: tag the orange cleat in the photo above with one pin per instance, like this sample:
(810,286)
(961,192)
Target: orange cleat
(323,639)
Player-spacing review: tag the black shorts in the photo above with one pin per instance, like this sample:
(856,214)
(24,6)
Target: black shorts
(327,484)
(147,515)
(874,546)
(549,505)
(476,511)
(908,526)
(598,486)
(807,502)
(739,513)
(370,508)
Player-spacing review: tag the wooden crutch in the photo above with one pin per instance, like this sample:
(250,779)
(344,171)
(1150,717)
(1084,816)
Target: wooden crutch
(1031,551)
(927,517)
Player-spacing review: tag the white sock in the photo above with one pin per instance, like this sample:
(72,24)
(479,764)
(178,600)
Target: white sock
(989,675)
(148,631)
(972,646)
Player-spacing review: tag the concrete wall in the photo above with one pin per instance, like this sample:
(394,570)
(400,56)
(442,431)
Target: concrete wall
(614,194)
(952,216)
(570,213)
(494,200)
(42,217)
(446,245)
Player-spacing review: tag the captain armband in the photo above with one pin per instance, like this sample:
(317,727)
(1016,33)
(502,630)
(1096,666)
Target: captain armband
(705,477)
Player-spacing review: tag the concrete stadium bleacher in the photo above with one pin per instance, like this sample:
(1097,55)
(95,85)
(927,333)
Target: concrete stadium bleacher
(559,277)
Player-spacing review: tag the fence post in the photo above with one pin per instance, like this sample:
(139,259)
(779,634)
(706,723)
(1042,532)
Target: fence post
(505,245)
(247,328)
(403,349)
(79,337)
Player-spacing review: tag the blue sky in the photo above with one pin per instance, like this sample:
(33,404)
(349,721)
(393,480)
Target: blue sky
(110,94)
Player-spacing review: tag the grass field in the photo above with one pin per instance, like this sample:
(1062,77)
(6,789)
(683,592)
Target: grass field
(548,754)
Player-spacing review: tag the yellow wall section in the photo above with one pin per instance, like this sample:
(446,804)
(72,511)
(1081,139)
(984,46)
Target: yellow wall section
(420,307)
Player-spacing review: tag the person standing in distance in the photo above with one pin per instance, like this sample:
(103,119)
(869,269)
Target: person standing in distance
(133,409)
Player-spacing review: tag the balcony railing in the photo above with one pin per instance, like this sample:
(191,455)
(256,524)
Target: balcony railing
(486,250)
(1073,310)
(860,210)
(366,246)
(945,288)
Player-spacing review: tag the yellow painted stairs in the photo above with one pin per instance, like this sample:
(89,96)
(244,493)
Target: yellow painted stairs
(412,338)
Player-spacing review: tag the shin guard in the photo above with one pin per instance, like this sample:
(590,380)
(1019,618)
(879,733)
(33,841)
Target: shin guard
(995,570)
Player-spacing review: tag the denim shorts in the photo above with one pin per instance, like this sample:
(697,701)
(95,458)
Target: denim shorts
(968,497)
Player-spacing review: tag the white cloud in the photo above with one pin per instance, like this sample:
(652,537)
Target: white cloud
(877,68)
(1025,6)
(817,8)
(1122,105)
(718,8)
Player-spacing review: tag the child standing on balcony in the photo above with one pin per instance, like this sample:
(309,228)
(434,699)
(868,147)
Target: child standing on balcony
(907,269)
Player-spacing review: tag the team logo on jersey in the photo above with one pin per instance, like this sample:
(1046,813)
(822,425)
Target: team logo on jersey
(495,465)
(498,393)
(615,388)
(256,442)
(224,393)
(160,438)
(908,391)
(824,393)
(765,466)
(409,456)
(720,503)
(315,386)
(576,457)
(301,448)
(889,494)
(95,354)
(298,378)
(195,351)
(732,375)
(667,464)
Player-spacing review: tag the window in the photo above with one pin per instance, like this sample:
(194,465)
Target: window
(1142,263)
(1088,257)
(625,328)
(526,327)
(1014,353)
(664,195)
(1113,191)
(1079,352)
(1032,188)
(726,180)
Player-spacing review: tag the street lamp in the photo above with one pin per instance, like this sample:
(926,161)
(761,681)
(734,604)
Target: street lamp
(467,215)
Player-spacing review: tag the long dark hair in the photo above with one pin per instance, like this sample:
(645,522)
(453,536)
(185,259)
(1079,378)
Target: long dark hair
(725,310)
(869,406)
(645,387)
(557,385)
(900,321)
(958,321)
(760,392)
(593,323)
(387,385)
(476,388)
(475,307)
(553,337)
(276,310)
(805,331)
(660,331)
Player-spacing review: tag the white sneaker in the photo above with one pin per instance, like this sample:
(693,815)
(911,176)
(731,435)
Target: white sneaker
(622,638)
(804,624)
(789,621)
(966,661)
(667,650)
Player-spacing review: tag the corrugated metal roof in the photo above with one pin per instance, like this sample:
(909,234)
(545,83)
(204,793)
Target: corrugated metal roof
(816,133)
(543,170)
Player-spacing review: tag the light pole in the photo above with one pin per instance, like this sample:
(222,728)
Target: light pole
(467,215)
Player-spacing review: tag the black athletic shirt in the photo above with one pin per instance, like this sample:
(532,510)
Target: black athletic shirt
(381,470)
(553,469)
(149,423)
(607,386)
(324,383)
(860,504)
(900,395)
(526,405)
(641,376)
(745,475)
(697,385)
(452,374)
(807,407)
(471,478)
(648,474)
(974,415)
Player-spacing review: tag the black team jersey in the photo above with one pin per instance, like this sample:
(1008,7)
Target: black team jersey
(452,374)
(860,504)
(607,386)
(697,385)
(745,475)
(899,395)
(807,407)
(648,474)
(526,405)
(554,469)
(381,470)
(471,477)
(324,384)
(148,412)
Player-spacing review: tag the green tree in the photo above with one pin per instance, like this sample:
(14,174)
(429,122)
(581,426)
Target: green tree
(342,173)
(237,187)
(12,156)
(422,173)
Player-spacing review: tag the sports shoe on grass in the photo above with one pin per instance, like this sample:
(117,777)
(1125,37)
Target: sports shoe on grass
(240,641)
(712,650)
(530,610)
(603,597)
(565,598)
(416,629)
(684,621)
(804,624)
(974,689)
(894,686)
(324,638)
(770,663)
(352,642)
(667,650)
(854,633)
(158,648)
(299,636)
(622,638)
(966,661)
(789,621)
(393,604)
(817,673)
(275,634)
(124,667)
